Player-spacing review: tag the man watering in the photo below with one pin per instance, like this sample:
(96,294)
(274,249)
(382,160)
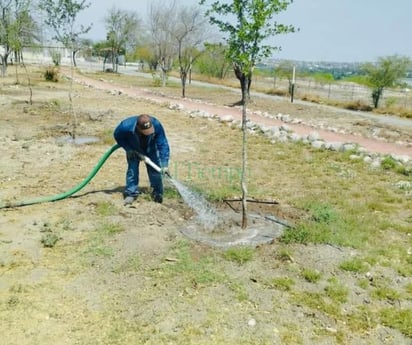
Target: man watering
(143,136)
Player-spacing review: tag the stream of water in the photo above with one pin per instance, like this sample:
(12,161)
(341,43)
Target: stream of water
(206,213)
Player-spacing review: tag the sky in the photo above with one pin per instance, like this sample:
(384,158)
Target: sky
(329,30)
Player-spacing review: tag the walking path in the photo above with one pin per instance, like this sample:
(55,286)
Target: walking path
(371,145)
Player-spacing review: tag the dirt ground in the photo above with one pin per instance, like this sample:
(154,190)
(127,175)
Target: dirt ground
(55,290)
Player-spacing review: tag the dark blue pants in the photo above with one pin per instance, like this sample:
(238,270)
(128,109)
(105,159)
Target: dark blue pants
(132,176)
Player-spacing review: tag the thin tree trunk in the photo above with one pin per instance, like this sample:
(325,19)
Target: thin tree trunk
(183,77)
(243,182)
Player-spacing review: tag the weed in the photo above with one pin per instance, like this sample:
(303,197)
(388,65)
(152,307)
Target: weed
(281,283)
(110,228)
(322,213)
(386,293)
(354,265)
(317,301)
(52,73)
(310,275)
(49,240)
(336,291)
(361,319)
(194,268)
(239,290)
(299,234)
(239,254)
(389,163)
(284,255)
(105,208)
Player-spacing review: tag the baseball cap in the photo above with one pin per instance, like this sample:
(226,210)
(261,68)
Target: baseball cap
(145,125)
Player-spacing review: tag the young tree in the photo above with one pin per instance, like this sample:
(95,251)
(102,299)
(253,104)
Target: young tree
(247,24)
(385,73)
(122,33)
(61,17)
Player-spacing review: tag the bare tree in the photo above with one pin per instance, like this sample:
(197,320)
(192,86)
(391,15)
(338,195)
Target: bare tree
(122,32)
(189,34)
(161,26)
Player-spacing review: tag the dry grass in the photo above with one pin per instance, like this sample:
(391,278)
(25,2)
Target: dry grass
(121,276)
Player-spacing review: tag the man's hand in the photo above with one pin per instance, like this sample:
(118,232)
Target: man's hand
(135,155)
(165,171)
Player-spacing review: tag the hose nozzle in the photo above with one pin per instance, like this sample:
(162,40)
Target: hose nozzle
(148,161)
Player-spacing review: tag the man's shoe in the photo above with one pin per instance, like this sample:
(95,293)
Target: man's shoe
(129,200)
(157,198)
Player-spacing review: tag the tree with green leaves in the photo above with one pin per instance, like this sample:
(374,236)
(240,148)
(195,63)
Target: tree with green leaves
(386,72)
(213,62)
(61,17)
(122,33)
(17,29)
(247,24)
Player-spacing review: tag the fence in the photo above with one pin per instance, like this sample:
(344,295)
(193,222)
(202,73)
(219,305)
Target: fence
(338,90)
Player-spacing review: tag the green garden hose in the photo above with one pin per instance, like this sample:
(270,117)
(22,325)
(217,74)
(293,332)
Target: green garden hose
(69,192)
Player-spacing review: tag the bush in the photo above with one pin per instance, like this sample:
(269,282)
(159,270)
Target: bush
(52,74)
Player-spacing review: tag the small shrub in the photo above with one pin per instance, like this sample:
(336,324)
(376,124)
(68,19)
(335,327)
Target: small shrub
(52,73)
(388,163)
(358,106)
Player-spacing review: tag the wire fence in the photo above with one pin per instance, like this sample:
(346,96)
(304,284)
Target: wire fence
(346,92)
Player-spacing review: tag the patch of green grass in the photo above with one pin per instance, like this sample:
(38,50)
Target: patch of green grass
(299,234)
(317,301)
(336,291)
(361,319)
(239,289)
(171,193)
(110,229)
(400,319)
(291,335)
(190,266)
(281,283)
(386,293)
(239,255)
(354,265)
(321,213)
(284,255)
(311,275)
(104,208)
(363,283)
(389,163)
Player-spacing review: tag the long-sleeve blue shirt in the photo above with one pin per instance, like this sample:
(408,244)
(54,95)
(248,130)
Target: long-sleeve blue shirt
(157,143)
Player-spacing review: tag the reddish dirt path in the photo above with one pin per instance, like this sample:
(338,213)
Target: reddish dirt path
(371,145)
